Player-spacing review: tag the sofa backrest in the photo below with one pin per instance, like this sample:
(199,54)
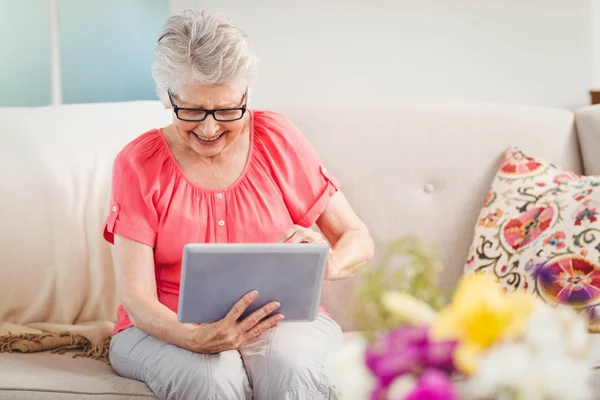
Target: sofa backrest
(419,169)
(588,130)
(424,169)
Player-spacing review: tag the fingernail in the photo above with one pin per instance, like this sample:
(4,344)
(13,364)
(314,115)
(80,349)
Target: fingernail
(282,317)
(277,304)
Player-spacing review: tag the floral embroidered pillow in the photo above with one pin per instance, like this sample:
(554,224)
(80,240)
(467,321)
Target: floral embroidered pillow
(539,232)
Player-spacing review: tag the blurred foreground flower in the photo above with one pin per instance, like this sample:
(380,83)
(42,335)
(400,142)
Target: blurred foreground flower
(408,351)
(433,385)
(501,345)
(480,315)
(408,308)
(549,361)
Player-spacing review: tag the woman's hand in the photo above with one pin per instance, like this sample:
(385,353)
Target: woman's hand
(299,234)
(229,334)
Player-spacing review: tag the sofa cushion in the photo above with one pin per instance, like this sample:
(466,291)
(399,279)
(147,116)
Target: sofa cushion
(539,232)
(55,169)
(53,376)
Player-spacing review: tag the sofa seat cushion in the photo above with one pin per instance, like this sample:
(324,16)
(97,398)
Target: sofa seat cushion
(53,376)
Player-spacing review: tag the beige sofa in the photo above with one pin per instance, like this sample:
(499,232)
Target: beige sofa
(417,168)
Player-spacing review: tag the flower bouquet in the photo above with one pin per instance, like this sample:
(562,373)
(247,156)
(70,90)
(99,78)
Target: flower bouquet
(482,343)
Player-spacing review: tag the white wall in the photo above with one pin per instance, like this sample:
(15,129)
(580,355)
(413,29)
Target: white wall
(179,5)
(596,44)
(357,52)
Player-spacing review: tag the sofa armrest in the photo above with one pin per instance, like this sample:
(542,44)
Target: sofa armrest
(588,131)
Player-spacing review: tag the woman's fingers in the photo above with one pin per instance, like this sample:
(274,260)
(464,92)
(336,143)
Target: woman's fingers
(262,327)
(254,319)
(298,234)
(288,234)
(238,309)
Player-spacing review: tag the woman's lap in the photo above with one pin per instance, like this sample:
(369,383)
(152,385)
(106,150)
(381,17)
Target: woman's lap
(288,362)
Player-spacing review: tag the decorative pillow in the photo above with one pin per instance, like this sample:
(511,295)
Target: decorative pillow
(539,232)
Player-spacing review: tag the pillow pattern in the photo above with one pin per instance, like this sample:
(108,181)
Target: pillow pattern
(539,232)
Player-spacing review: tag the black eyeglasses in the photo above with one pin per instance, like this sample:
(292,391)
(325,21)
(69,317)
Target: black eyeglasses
(200,114)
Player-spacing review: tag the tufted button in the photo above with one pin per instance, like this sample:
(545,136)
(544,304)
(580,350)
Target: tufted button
(429,188)
(221,223)
(219,196)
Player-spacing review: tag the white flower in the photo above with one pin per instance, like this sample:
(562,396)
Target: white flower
(348,371)
(401,387)
(501,368)
(550,362)
(408,307)
(559,328)
(514,367)
(543,330)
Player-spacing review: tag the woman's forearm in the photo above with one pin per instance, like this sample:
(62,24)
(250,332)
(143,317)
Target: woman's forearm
(157,320)
(352,250)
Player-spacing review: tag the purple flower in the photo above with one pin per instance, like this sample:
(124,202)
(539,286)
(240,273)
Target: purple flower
(397,363)
(441,355)
(407,350)
(413,335)
(433,385)
(379,392)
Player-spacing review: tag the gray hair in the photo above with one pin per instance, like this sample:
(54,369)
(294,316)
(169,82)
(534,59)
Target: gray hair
(202,47)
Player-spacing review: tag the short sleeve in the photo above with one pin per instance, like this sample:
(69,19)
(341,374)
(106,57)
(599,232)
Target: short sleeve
(132,213)
(305,182)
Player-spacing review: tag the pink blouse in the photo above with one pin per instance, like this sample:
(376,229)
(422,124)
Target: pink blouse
(152,202)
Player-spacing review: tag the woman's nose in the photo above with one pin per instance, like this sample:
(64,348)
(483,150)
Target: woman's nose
(209,126)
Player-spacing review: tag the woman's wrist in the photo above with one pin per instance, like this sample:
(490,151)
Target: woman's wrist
(189,337)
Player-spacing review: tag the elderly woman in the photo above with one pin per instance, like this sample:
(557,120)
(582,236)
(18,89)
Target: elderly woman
(220,173)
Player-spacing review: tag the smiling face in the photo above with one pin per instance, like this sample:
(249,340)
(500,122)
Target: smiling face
(208,138)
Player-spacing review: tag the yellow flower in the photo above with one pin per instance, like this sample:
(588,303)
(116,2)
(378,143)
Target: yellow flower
(521,306)
(466,357)
(480,315)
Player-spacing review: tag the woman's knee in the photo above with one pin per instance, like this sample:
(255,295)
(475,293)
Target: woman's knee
(229,377)
(290,376)
(198,383)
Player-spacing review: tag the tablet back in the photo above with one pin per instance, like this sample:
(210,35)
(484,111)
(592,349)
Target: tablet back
(215,276)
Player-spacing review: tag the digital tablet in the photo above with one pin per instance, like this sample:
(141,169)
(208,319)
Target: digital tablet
(215,276)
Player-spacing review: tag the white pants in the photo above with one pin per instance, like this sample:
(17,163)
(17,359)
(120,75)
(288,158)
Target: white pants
(287,362)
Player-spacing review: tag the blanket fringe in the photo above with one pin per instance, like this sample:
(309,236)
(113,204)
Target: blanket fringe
(57,343)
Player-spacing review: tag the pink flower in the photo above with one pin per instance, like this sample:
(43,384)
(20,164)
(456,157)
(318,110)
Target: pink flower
(433,385)
(407,350)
